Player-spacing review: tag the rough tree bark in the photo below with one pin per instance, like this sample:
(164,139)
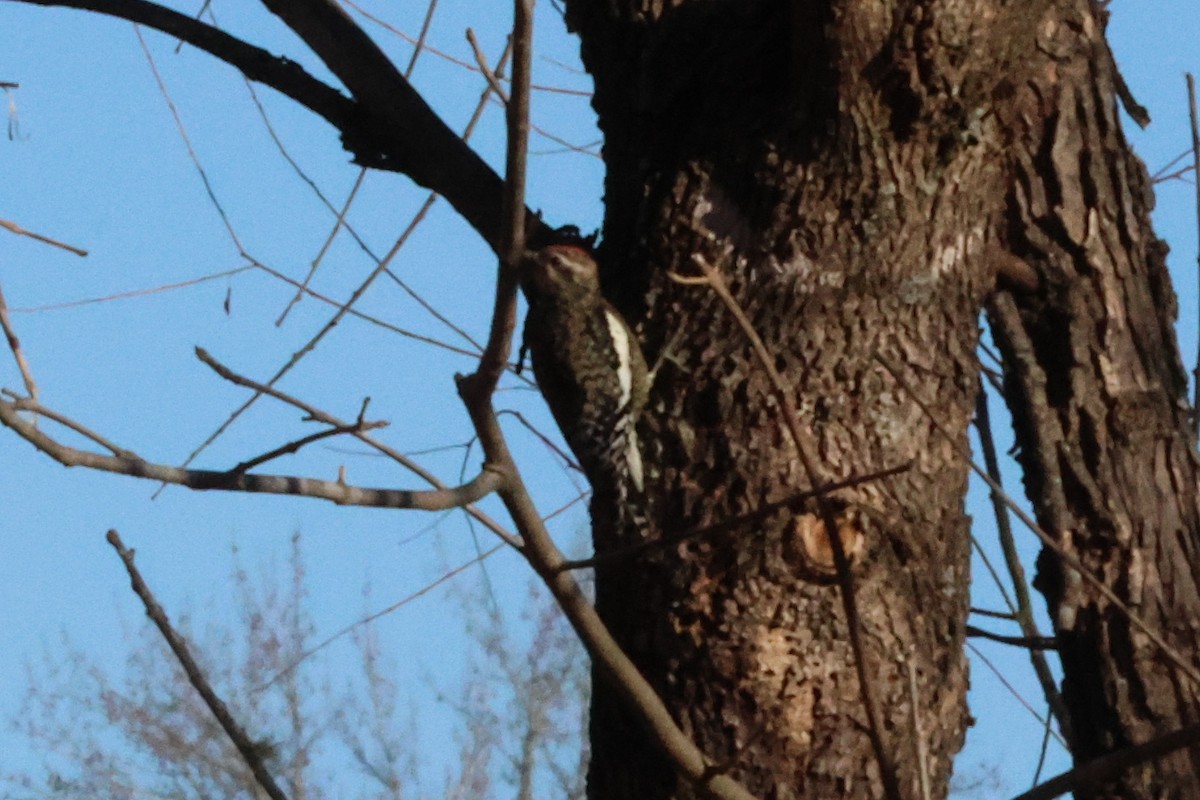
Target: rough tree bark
(1094,379)
(861,173)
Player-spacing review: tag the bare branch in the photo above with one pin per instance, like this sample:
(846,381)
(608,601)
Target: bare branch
(481,60)
(1008,544)
(567,459)
(127,463)
(17,229)
(295,447)
(166,287)
(354,312)
(32,405)
(1047,721)
(983,612)
(244,744)
(1034,643)
(322,416)
(347,307)
(187,140)
(512,240)
(420,44)
(14,344)
(338,224)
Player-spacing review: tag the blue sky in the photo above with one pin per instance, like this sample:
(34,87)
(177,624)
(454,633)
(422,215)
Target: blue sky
(98,163)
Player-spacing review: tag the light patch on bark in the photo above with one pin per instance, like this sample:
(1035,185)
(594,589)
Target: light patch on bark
(948,257)
(777,687)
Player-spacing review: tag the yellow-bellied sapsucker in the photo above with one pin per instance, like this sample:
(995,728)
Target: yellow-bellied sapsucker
(588,364)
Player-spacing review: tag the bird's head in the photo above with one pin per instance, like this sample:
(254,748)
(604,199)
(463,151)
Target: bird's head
(562,269)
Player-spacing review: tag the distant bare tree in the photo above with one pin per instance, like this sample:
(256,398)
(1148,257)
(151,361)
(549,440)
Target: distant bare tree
(143,732)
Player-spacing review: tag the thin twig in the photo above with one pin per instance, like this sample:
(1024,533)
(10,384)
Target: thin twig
(512,237)
(983,612)
(421,45)
(536,87)
(244,744)
(1160,175)
(790,416)
(187,140)
(198,16)
(1016,572)
(567,147)
(31,405)
(14,345)
(1000,676)
(354,312)
(330,325)
(296,446)
(1177,174)
(993,574)
(1033,644)
(567,459)
(166,287)
(1044,748)
(13,227)
(338,224)
(424,590)
(488,75)
(340,215)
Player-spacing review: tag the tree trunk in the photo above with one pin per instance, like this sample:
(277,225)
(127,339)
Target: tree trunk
(1098,394)
(855,171)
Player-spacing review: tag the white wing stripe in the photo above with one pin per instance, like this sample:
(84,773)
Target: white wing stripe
(622,342)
